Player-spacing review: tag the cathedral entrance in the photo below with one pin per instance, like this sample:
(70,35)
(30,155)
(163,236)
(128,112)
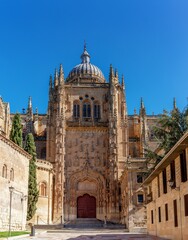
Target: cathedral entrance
(86,206)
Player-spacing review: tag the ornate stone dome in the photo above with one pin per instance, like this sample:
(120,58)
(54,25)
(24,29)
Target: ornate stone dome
(85,71)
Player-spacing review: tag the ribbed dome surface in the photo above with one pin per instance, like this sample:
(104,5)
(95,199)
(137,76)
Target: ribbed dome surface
(86,70)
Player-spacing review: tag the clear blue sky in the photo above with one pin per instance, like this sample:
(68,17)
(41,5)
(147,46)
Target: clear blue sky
(146,40)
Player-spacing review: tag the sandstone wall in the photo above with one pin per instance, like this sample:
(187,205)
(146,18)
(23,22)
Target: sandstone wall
(14,169)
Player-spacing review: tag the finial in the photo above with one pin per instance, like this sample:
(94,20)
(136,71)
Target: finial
(135,111)
(61,74)
(50,81)
(85,55)
(174,104)
(55,78)
(116,73)
(29,108)
(85,45)
(142,107)
(36,110)
(122,82)
(29,103)
(111,71)
(141,103)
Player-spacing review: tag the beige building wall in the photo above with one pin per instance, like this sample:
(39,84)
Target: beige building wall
(167,213)
(43,213)
(14,169)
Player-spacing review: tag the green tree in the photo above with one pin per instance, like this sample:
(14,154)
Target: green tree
(16,130)
(170,127)
(32,183)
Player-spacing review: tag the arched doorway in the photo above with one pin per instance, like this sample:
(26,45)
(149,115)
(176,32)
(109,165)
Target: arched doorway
(86,206)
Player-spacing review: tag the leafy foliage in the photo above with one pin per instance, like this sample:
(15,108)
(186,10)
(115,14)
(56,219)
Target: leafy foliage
(32,183)
(16,130)
(169,129)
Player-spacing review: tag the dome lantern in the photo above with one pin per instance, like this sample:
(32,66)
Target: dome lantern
(85,55)
(85,71)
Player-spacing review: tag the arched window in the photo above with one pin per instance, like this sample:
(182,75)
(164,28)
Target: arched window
(86,110)
(11,174)
(43,189)
(4,171)
(97,112)
(76,110)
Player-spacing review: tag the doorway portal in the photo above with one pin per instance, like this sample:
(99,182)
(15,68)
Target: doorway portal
(86,206)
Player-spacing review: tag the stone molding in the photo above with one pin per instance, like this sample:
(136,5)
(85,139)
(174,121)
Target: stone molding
(44,165)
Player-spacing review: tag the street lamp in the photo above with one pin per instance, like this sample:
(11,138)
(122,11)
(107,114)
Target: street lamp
(11,189)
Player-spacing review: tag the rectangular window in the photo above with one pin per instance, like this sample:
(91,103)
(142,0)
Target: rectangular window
(139,178)
(173,172)
(140,198)
(152,218)
(186,204)
(183,165)
(175,213)
(158,186)
(164,181)
(166,212)
(159,213)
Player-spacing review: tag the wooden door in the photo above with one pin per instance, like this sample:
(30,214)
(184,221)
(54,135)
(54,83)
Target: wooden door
(86,206)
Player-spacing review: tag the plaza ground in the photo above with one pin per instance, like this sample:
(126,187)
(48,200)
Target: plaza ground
(86,234)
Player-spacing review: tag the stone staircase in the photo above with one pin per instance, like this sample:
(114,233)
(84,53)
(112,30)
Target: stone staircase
(80,223)
(92,223)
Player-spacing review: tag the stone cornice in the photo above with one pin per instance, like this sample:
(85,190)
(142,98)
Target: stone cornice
(44,165)
(15,146)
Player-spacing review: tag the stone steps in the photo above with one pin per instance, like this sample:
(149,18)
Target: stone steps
(92,223)
(80,223)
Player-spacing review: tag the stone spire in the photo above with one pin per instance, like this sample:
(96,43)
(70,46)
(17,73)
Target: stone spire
(55,78)
(141,103)
(29,108)
(29,117)
(116,73)
(50,82)
(174,104)
(142,107)
(123,82)
(111,75)
(61,75)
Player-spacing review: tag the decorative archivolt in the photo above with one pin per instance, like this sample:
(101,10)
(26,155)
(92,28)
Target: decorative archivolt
(84,176)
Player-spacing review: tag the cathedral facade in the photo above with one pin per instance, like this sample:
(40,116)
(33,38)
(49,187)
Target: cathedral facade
(90,152)
(87,141)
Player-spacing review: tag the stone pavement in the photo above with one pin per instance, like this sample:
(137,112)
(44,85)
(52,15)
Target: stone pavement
(86,234)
